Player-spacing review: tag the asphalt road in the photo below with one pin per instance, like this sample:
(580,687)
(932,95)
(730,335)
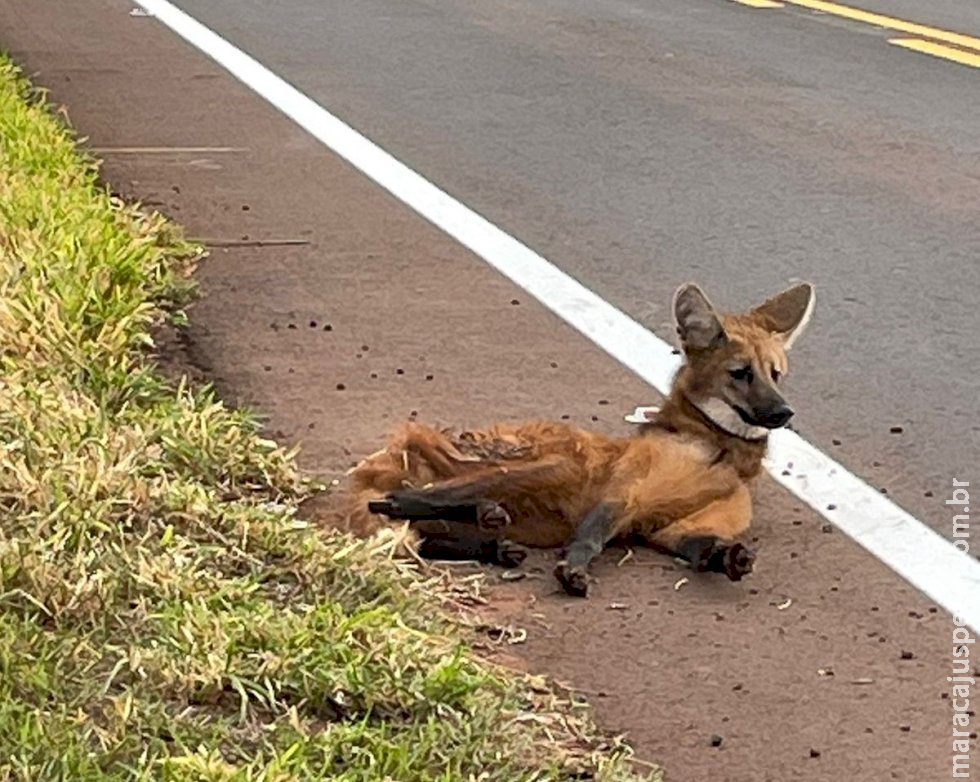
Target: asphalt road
(639,144)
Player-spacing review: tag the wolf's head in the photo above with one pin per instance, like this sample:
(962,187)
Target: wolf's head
(735,362)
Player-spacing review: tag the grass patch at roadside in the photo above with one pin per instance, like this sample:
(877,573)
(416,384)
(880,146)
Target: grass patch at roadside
(163,614)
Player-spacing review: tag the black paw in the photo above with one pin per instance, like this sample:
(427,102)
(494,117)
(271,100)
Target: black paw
(509,554)
(737,561)
(709,555)
(383,507)
(395,505)
(574,580)
(491,516)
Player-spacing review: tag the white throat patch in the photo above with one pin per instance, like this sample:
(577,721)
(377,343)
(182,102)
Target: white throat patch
(724,416)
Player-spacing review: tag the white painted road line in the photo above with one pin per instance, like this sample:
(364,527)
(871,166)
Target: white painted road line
(914,551)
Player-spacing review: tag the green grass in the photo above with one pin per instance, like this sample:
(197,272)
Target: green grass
(163,614)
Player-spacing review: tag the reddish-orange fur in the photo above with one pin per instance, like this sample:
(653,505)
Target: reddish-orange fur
(680,477)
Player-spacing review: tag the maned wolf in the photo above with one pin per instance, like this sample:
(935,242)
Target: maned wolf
(680,485)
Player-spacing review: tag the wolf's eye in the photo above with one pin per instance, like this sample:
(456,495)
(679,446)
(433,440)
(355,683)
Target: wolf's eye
(776,374)
(742,373)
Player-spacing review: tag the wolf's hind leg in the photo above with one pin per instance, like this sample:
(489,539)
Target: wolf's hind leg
(469,498)
(412,505)
(455,541)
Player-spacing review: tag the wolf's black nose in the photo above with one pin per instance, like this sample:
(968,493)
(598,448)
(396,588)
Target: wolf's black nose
(779,416)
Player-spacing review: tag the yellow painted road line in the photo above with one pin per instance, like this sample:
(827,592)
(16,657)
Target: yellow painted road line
(760,3)
(890,22)
(938,50)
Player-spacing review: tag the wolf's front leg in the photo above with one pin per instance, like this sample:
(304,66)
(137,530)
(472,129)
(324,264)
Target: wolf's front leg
(706,538)
(591,537)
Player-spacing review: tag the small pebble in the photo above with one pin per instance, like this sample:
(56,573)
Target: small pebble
(327,327)
(907,655)
(835,442)
(814,753)
(828,528)
(906,728)
(831,507)
(341,386)
(896,430)
(716,740)
(399,371)
(312,324)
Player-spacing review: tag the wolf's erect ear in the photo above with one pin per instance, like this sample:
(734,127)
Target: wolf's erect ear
(698,325)
(787,314)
